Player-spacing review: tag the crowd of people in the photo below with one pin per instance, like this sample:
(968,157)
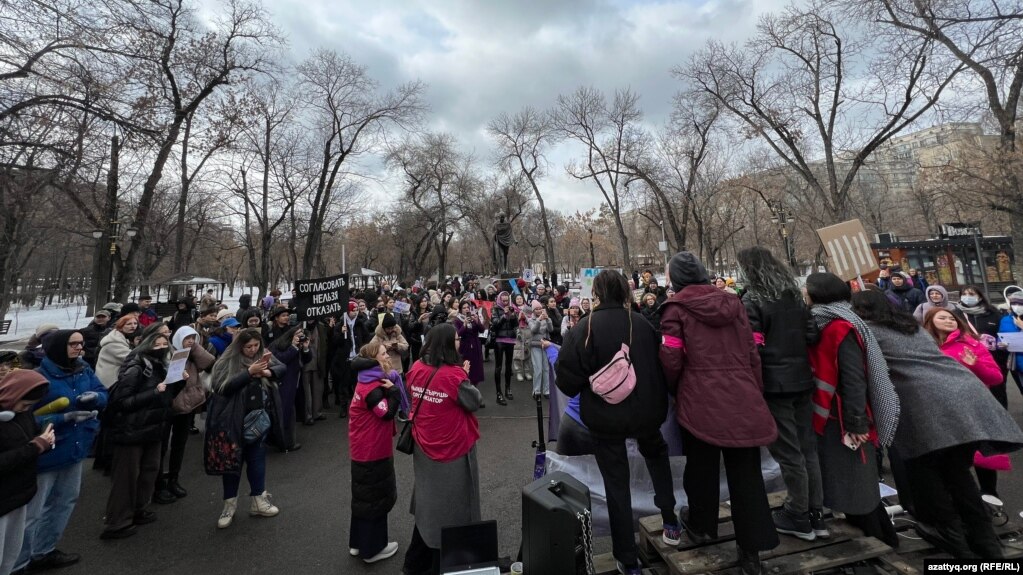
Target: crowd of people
(829,380)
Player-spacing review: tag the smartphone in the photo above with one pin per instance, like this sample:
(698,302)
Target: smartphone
(849,442)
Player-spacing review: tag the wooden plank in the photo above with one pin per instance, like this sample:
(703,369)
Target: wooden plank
(821,558)
(899,564)
(604,564)
(654,544)
(720,555)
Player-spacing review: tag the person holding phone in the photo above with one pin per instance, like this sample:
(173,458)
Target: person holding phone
(244,381)
(22,441)
(291,349)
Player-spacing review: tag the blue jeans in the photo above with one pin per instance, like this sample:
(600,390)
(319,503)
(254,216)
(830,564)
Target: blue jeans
(49,511)
(541,371)
(254,461)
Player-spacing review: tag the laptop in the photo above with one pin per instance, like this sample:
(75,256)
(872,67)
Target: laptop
(469,549)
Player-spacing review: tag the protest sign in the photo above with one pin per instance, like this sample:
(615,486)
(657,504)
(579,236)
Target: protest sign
(586,276)
(401,307)
(321,297)
(529,275)
(846,245)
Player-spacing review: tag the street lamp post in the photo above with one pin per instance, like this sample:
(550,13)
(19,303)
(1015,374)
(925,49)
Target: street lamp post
(662,246)
(116,233)
(781,218)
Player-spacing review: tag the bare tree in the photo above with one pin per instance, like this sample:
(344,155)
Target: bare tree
(806,87)
(523,141)
(608,131)
(349,116)
(987,39)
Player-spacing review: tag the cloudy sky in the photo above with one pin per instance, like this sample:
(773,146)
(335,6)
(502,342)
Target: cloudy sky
(484,57)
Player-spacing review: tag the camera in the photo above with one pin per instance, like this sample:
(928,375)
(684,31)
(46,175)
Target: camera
(303,338)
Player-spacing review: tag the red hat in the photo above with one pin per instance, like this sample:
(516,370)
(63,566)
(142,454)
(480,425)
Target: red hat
(352,306)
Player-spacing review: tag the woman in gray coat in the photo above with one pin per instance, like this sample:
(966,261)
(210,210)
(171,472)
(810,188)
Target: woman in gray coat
(947,416)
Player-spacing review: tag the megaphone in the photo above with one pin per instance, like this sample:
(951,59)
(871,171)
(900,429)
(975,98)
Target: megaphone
(55,406)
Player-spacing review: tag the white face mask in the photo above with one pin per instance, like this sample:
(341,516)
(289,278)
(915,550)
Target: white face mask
(1017,309)
(970,300)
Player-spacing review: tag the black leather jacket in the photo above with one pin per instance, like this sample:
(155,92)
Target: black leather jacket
(787,329)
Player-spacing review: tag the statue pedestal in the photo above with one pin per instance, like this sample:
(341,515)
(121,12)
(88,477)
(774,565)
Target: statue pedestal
(506,279)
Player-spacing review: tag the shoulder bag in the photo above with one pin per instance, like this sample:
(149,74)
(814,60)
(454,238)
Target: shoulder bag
(405,440)
(616,380)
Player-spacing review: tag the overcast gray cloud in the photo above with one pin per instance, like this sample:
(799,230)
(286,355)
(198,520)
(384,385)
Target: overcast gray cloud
(481,58)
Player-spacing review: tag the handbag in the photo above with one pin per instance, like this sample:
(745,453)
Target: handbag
(405,441)
(256,424)
(615,381)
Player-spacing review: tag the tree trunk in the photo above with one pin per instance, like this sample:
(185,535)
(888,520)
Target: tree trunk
(179,236)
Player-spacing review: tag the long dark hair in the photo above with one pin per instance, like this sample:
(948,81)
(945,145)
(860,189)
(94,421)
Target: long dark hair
(283,341)
(984,302)
(965,331)
(439,347)
(874,307)
(764,275)
(612,288)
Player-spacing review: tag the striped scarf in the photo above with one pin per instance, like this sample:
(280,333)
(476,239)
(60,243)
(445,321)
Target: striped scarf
(883,399)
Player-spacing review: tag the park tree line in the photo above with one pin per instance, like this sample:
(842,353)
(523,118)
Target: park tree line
(223,154)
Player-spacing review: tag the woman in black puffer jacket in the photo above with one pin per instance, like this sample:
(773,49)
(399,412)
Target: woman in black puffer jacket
(139,409)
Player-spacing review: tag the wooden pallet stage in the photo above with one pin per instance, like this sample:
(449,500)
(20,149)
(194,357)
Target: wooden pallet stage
(845,547)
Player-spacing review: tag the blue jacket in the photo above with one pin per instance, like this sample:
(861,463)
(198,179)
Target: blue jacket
(1009,326)
(220,342)
(73,439)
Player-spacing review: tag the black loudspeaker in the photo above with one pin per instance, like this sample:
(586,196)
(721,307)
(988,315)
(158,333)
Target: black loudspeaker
(552,531)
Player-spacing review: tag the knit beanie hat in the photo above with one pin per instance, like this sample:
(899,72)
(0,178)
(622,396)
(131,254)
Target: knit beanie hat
(537,305)
(574,302)
(46,328)
(685,269)
(389,321)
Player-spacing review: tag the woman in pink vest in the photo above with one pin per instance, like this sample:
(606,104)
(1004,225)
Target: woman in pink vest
(370,432)
(447,483)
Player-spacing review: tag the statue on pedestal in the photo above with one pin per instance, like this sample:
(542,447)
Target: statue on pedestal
(503,239)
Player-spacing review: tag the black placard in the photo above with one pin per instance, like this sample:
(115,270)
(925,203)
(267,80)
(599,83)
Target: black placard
(321,297)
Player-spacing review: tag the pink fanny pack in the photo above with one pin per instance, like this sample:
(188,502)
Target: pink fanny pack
(616,380)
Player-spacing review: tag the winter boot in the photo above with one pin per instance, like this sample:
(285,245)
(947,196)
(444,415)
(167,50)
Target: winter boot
(162,495)
(507,391)
(262,506)
(500,399)
(175,488)
(227,515)
(749,562)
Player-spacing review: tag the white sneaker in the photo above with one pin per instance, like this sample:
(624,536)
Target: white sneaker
(227,515)
(262,506)
(353,551)
(520,377)
(386,552)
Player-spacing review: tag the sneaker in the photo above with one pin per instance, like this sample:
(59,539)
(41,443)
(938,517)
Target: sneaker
(637,570)
(672,535)
(820,528)
(789,524)
(385,553)
(353,551)
(519,377)
(262,506)
(227,515)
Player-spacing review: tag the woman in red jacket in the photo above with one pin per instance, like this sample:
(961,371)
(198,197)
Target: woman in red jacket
(370,432)
(712,365)
(447,483)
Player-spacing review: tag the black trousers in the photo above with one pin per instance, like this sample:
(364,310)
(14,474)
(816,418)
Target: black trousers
(947,498)
(573,438)
(369,536)
(420,559)
(503,357)
(175,436)
(613,462)
(751,514)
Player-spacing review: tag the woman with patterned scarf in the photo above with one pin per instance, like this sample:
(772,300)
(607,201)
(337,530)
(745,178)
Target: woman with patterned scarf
(855,409)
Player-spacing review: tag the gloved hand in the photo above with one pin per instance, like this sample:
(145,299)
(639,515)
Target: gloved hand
(87,398)
(79,416)
(6,416)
